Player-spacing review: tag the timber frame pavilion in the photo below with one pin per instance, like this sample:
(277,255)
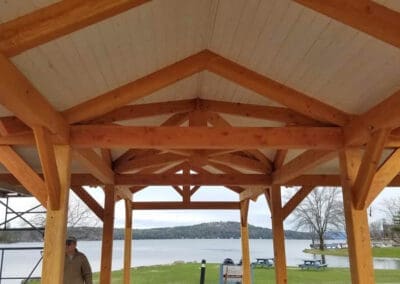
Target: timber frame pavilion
(251,95)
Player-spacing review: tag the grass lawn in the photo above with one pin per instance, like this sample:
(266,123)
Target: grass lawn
(393,252)
(190,273)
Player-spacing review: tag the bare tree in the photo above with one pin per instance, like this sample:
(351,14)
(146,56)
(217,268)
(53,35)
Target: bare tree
(320,211)
(391,208)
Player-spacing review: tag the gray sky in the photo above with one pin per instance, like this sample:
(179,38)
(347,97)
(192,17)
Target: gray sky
(259,214)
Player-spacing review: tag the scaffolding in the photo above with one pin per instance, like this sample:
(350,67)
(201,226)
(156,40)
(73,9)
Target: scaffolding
(11,215)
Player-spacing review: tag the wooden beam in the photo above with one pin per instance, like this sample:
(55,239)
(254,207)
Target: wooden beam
(281,114)
(238,161)
(199,179)
(280,157)
(146,110)
(383,115)
(108,234)
(301,164)
(23,173)
(128,241)
(107,156)
(149,161)
(275,91)
(252,192)
(369,164)
(123,192)
(385,174)
(211,205)
(296,200)
(56,223)
(49,166)
(198,118)
(110,136)
(11,125)
(244,233)
(357,229)
(57,20)
(89,201)
(367,16)
(95,165)
(19,96)
(130,92)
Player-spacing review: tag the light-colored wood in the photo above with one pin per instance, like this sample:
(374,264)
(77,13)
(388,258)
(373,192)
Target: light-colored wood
(271,89)
(381,116)
(244,233)
(49,167)
(148,161)
(166,205)
(110,136)
(56,223)
(368,167)
(146,110)
(385,174)
(23,173)
(358,238)
(128,241)
(89,201)
(296,200)
(121,96)
(108,234)
(242,162)
(364,15)
(123,192)
(132,154)
(56,20)
(199,179)
(281,114)
(278,235)
(301,164)
(95,165)
(252,192)
(19,96)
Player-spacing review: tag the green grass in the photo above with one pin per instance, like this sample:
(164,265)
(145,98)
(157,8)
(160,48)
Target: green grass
(190,273)
(393,252)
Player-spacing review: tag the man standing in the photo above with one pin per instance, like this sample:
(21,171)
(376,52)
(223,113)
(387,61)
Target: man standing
(76,267)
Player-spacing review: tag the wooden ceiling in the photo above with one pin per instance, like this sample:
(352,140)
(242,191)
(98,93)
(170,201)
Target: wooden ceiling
(265,92)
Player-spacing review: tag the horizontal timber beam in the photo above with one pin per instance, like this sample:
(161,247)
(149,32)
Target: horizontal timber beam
(110,136)
(57,20)
(180,205)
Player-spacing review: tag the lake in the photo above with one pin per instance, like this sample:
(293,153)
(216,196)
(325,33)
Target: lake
(150,252)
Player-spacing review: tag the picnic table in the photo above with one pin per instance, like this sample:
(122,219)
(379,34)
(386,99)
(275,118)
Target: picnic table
(263,262)
(313,264)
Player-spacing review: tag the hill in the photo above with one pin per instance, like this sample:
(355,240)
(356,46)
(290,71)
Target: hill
(213,230)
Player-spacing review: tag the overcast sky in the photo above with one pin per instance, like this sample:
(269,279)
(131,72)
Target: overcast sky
(259,214)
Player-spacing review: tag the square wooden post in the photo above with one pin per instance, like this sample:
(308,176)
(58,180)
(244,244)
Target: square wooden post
(56,223)
(278,235)
(358,237)
(128,242)
(244,231)
(108,234)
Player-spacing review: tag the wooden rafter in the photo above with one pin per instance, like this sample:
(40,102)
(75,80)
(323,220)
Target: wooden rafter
(95,165)
(24,174)
(281,114)
(109,136)
(364,15)
(215,205)
(130,92)
(11,125)
(89,201)
(146,110)
(123,192)
(368,167)
(238,161)
(49,166)
(19,96)
(56,20)
(301,164)
(273,90)
(280,157)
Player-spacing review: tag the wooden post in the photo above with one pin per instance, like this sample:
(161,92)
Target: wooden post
(358,238)
(278,235)
(244,209)
(107,241)
(56,223)
(128,242)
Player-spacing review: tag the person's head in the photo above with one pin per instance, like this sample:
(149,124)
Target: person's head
(70,244)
